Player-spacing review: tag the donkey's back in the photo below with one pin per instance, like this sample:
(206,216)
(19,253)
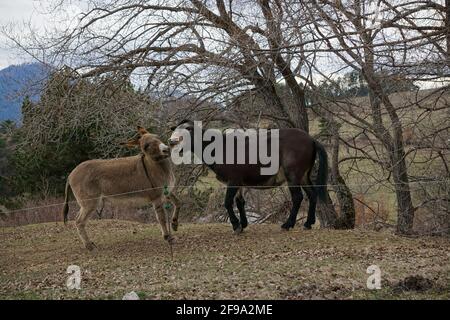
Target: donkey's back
(115,180)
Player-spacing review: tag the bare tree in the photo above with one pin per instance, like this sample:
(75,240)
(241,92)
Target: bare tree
(400,43)
(216,52)
(218,49)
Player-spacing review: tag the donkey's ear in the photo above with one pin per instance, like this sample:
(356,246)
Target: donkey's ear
(131,143)
(141,130)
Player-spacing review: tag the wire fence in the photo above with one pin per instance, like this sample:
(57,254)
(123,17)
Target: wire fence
(374,205)
(130,193)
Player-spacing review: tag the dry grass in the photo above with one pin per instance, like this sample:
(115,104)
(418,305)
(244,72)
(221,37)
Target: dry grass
(210,262)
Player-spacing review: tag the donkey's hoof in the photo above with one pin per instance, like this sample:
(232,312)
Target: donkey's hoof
(90,246)
(170,239)
(244,224)
(286,226)
(238,229)
(307,227)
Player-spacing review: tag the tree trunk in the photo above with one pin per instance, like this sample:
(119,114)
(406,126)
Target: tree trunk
(393,143)
(447,28)
(326,213)
(405,218)
(346,219)
(298,114)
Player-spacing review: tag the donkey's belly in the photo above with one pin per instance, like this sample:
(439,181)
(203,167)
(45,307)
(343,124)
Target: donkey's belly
(130,201)
(272,181)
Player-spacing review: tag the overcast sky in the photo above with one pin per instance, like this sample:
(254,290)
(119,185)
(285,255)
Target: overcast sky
(17,12)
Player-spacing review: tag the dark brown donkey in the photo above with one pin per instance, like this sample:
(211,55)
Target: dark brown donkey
(297,154)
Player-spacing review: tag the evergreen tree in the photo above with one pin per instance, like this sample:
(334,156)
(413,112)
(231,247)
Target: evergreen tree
(75,120)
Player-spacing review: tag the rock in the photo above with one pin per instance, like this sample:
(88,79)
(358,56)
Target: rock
(131,296)
(414,283)
(206,219)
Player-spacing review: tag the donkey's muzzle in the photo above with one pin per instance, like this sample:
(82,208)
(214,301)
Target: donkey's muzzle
(165,150)
(174,141)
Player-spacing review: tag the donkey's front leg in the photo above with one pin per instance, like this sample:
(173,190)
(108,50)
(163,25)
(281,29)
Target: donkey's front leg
(161,217)
(176,203)
(229,201)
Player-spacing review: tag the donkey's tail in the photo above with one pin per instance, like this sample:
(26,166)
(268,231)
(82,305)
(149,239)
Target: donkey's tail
(66,202)
(322,172)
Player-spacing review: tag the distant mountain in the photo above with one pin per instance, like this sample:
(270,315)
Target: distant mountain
(16,82)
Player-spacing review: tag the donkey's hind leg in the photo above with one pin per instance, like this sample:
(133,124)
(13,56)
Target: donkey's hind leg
(240,204)
(312,197)
(297,197)
(83,215)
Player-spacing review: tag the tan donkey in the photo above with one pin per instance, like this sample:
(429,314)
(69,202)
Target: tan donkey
(137,181)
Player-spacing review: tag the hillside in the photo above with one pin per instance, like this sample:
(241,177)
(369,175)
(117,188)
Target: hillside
(210,262)
(16,82)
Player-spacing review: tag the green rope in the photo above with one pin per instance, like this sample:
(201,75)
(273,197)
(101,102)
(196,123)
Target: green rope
(166,190)
(167,205)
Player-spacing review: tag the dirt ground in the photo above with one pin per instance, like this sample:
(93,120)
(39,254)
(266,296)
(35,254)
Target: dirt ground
(210,262)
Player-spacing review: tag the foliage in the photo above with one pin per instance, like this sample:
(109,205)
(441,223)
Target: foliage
(7,140)
(75,120)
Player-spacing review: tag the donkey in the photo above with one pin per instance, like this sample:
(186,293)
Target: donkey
(138,180)
(297,154)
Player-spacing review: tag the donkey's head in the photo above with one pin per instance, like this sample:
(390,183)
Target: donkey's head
(150,145)
(180,132)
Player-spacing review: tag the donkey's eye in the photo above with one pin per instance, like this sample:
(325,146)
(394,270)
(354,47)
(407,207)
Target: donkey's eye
(146,146)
